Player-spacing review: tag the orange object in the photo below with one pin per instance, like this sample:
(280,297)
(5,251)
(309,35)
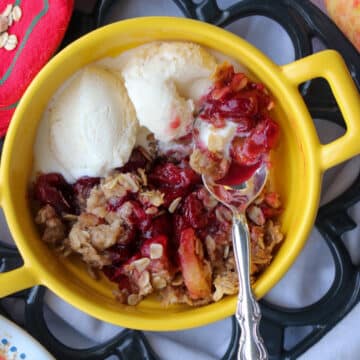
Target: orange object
(346,15)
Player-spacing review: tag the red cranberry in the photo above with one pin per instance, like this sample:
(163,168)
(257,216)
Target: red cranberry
(53,189)
(237,173)
(270,212)
(120,253)
(115,274)
(174,180)
(109,271)
(160,225)
(250,150)
(115,270)
(166,174)
(270,130)
(172,193)
(137,161)
(189,175)
(83,186)
(245,105)
(218,230)
(124,283)
(194,212)
(244,123)
(138,216)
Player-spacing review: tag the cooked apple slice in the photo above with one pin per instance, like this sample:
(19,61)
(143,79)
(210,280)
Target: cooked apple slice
(195,269)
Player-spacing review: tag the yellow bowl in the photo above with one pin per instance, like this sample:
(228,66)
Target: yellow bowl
(299,163)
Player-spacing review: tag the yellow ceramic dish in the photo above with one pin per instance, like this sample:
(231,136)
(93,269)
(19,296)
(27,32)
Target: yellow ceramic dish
(299,163)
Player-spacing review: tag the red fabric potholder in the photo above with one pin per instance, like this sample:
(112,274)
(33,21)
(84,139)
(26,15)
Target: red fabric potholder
(39,32)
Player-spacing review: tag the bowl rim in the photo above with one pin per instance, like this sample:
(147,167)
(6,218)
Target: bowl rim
(206,33)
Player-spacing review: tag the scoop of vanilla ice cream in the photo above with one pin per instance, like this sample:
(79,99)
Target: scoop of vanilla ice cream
(89,128)
(217,139)
(165,80)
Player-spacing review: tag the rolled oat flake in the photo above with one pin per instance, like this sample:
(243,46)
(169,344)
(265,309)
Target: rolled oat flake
(16,13)
(11,43)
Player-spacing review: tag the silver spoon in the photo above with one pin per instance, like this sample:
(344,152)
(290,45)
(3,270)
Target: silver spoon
(237,199)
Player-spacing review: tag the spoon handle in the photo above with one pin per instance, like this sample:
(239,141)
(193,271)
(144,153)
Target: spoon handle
(251,344)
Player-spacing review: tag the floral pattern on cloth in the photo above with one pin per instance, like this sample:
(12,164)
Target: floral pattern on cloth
(32,34)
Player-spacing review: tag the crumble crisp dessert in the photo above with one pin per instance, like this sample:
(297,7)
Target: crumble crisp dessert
(151,226)
(131,230)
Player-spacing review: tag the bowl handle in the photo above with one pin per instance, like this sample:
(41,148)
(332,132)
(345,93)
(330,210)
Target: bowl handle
(16,280)
(330,65)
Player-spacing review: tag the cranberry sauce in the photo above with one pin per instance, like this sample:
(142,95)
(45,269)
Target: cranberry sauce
(174,180)
(83,186)
(236,98)
(137,160)
(53,189)
(238,174)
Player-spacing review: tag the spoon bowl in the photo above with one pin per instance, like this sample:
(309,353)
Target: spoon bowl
(238,197)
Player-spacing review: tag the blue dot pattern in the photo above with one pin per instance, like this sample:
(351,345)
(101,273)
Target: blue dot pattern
(13,348)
